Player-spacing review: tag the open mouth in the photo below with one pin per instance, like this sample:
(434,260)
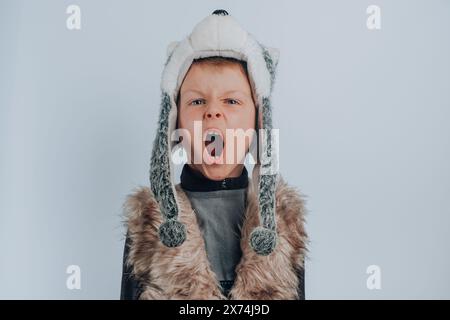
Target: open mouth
(214,143)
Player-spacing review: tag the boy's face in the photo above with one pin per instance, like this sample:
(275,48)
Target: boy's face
(218,98)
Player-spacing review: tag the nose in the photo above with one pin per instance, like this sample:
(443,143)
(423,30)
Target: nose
(213,113)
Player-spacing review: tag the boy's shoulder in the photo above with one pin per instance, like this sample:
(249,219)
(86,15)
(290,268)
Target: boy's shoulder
(140,205)
(291,211)
(289,197)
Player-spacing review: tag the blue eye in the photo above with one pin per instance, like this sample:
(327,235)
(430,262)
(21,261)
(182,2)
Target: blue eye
(197,102)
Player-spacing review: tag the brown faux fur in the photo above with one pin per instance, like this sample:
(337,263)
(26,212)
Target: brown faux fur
(184,272)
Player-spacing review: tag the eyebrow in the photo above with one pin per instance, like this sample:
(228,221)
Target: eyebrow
(235,91)
(193,91)
(225,93)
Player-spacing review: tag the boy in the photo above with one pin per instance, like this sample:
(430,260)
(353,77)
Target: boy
(218,234)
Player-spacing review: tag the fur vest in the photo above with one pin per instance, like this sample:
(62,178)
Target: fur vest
(184,272)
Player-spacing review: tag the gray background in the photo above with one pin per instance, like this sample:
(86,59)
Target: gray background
(363,118)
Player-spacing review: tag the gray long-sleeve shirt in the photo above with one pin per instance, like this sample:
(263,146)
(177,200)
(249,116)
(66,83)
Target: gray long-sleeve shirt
(219,215)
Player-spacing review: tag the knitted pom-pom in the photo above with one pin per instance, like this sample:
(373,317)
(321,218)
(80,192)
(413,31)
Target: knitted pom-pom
(263,240)
(172,233)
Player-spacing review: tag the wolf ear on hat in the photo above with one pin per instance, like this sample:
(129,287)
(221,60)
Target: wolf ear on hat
(171,47)
(274,54)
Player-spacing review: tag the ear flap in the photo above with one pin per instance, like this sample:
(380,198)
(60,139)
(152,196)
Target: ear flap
(171,47)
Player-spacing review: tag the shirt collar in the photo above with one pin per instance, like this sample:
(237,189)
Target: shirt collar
(192,180)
